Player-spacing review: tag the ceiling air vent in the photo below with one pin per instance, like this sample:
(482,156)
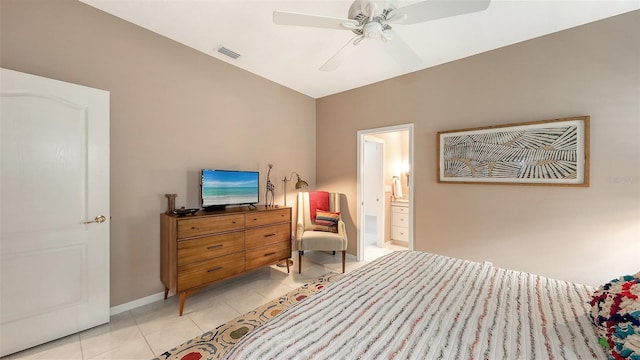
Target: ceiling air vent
(230,53)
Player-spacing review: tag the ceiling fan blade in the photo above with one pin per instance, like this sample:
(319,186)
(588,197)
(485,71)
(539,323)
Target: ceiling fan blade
(337,59)
(400,51)
(290,18)
(438,9)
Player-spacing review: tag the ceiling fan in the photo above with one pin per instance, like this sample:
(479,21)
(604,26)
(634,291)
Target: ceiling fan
(370,19)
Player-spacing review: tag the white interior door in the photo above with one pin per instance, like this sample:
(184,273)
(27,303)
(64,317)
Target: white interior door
(374,188)
(54,178)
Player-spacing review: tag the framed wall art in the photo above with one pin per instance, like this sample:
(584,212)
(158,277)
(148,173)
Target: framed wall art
(548,152)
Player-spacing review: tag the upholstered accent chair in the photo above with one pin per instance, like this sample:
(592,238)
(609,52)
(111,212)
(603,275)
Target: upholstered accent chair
(319,224)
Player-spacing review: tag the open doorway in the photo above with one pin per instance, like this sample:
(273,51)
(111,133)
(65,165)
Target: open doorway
(373,192)
(385,212)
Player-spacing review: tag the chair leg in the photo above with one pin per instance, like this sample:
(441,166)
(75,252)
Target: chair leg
(344,255)
(300,261)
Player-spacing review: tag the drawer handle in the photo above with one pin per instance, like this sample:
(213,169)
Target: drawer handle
(215,269)
(214,247)
(270,235)
(269,254)
(195,228)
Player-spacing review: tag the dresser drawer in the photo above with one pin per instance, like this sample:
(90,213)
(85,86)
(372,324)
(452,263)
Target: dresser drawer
(268,217)
(205,272)
(399,209)
(400,233)
(194,250)
(267,235)
(267,254)
(398,219)
(208,225)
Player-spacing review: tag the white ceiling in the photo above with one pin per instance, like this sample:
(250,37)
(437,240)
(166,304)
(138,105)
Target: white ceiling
(291,55)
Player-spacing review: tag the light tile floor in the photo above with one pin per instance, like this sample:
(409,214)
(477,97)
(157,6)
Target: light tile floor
(372,252)
(147,331)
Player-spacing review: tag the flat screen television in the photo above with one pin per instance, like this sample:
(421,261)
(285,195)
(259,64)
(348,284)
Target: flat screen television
(222,188)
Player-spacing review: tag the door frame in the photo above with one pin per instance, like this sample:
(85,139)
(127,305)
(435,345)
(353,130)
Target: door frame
(360,197)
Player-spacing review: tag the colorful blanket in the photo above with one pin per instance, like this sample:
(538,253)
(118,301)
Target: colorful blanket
(414,305)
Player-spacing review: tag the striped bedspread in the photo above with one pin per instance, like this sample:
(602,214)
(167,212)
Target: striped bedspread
(415,305)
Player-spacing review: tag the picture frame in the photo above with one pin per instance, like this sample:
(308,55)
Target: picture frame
(547,152)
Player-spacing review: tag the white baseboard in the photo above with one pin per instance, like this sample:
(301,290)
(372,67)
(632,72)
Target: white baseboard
(399,243)
(137,303)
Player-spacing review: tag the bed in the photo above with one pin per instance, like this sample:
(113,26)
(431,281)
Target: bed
(416,305)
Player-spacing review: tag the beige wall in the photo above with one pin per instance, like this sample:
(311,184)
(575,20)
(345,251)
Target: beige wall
(588,235)
(173,111)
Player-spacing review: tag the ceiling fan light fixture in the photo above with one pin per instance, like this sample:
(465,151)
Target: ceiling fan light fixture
(373,29)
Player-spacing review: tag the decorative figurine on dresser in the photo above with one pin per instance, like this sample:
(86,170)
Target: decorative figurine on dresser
(269,196)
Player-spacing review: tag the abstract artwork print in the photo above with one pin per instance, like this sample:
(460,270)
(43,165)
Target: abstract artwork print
(550,152)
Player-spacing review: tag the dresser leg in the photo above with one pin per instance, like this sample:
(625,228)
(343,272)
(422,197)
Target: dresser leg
(344,255)
(166,292)
(288,265)
(183,297)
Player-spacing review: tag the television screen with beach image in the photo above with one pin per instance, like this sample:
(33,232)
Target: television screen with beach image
(227,187)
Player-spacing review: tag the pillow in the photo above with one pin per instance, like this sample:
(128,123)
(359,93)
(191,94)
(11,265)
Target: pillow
(326,221)
(615,310)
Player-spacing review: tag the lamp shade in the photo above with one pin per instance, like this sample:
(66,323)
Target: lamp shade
(301,183)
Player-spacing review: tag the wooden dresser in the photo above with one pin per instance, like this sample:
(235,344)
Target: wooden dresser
(198,250)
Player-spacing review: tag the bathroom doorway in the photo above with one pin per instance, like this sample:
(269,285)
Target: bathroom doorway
(385,214)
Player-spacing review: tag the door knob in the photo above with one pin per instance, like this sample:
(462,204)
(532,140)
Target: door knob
(97,219)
